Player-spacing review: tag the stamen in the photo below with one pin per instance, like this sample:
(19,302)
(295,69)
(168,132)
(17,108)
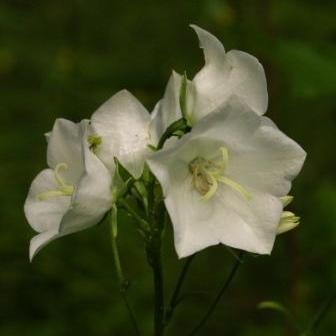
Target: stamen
(94,142)
(63,189)
(225,155)
(51,193)
(58,178)
(236,186)
(212,190)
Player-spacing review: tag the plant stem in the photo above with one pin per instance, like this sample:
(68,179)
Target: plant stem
(322,312)
(154,259)
(178,125)
(143,225)
(215,302)
(175,296)
(123,283)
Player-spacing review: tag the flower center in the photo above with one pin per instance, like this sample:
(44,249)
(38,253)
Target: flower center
(207,173)
(63,189)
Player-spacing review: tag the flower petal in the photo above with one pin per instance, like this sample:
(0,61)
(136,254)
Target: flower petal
(167,110)
(261,156)
(64,146)
(45,214)
(123,124)
(274,160)
(225,74)
(41,240)
(93,195)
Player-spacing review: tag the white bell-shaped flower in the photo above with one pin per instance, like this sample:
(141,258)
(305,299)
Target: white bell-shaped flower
(74,193)
(224,74)
(223,181)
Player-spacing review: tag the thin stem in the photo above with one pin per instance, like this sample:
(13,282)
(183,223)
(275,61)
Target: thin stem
(154,259)
(123,283)
(178,125)
(215,302)
(143,225)
(175,296)
(321,314)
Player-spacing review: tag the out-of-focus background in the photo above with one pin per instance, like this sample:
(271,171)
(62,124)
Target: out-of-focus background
(65,58)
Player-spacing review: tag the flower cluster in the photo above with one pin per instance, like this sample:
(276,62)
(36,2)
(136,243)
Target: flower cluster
(222,169)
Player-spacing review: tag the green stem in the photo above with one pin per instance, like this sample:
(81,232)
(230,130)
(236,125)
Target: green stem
(178,125)
(156,219)
(321,314)
(143,225)
(215,302)
(154,259)
(175,296)
(123,283)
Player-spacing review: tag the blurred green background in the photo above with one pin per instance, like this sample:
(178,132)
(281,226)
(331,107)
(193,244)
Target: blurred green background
(63,59)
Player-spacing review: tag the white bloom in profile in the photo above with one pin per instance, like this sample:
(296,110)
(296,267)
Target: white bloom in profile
(74,193)
(223,181)
(224,74)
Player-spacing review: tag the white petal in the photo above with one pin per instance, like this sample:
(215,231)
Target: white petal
(261,156)
(271,163)
(44,215)
(235,73)
(93,196)
(167,110)
(213,49)
(64,146)
(249,80)
(41,240)
(250,225)
(123,124)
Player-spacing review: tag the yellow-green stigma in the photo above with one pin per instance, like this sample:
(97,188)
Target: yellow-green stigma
(63,189)
(207,173)
(94,142)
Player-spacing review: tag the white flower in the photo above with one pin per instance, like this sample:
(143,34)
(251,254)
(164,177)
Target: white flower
(71,195)
(223,75)
(223,181)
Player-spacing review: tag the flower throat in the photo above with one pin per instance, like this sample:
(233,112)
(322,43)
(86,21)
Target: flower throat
(206,174)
